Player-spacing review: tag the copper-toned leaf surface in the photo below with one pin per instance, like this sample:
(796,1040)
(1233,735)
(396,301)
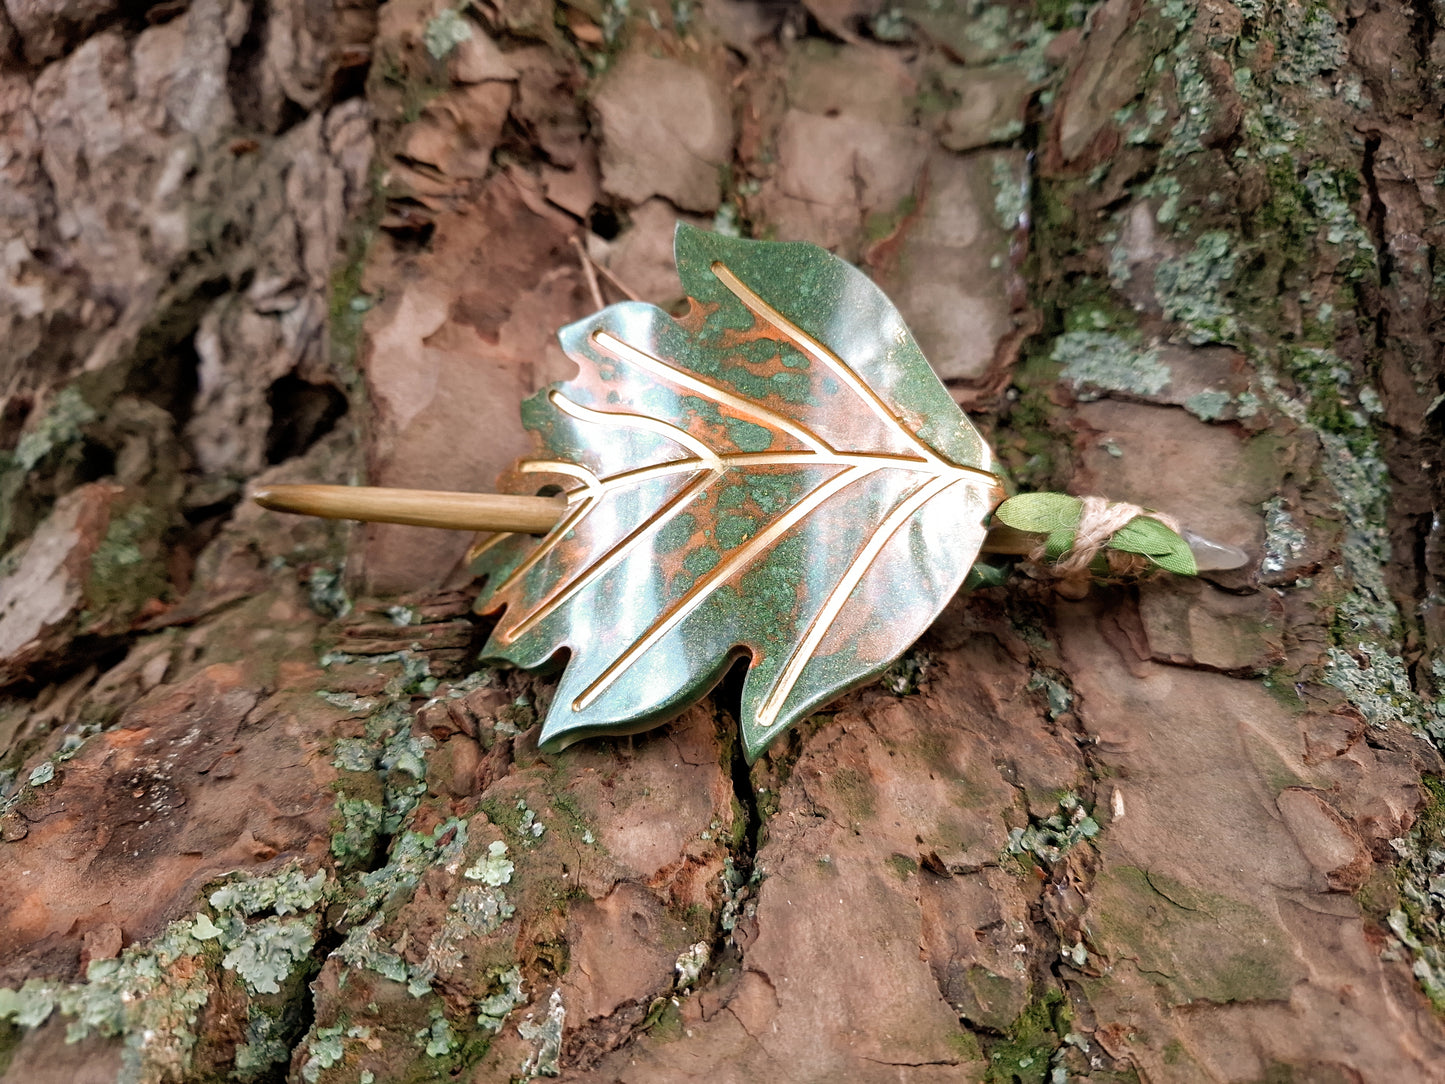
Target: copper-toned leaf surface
(777,473)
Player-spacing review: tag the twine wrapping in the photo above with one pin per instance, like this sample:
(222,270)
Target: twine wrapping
(1099,520)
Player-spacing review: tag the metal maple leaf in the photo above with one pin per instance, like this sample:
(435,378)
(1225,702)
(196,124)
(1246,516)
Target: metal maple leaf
(778,473)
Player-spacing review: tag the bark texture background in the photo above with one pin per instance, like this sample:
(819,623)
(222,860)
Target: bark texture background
(261,816)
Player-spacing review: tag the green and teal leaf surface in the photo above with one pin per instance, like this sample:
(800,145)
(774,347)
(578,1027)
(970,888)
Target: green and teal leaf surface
(777,474)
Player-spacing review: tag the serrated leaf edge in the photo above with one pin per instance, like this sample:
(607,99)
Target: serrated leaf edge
(585,497)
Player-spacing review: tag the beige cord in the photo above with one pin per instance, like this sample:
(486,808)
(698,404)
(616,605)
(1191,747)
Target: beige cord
(1099,521)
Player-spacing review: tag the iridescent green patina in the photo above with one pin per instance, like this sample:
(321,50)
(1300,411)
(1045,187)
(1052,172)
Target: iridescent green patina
(778,474)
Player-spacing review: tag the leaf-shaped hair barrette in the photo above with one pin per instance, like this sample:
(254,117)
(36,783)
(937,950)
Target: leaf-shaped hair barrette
(779,473)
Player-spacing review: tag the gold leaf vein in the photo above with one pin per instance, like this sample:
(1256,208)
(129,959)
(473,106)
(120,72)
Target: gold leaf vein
(823,356)
(838,598)
(704,588)
(615,348)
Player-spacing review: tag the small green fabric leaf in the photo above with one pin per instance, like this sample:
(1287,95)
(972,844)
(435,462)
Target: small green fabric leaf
(1058,543)
(1040,513)
(985,575)
(1181,563)
(1147,536)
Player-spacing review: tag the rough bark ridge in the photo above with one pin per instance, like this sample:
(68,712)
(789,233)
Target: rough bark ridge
(258,825)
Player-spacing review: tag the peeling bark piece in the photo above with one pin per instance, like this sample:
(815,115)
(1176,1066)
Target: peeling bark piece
(547,105)
(623,948)
(134,827)
(835,171)
(970,929)
(946,270)
(478,59)
(575,190)
(971,33)
(1198,945)
(449,354)
(1190,623)
(1105,78)
(666,131)
(89,568)
(458,131)
(1215,481)
(843,17)
(47,28)
(673,791)
(991,106)
(641,256)
(1326,839)
(848,161)
(247,343)
(868,82)
(1214,891)
(47,584)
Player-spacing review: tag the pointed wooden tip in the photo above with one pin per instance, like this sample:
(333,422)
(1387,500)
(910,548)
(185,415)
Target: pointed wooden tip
(416,507)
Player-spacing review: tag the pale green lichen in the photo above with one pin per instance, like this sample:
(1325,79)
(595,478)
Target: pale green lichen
(265,953)
(1059,695)
(1311,43)
(144,995)
(1049,839)
(690,964)
(1192,289)
(346,701)
(1283,541)
(725,221)
(528,827)
(1419,921)
(445,32)
(403,774)
(478,910)
(1168,191)
(904,677)
(546,1034)
(326,590)
(1379,687)
(122,573)
(1209,405)
(264,1048)
(1011,195)
(289,892)
(1096,362)
(492,1010)
(353,755)
(62,423)
(411,854)
(360,830)
(1196,105)
(437,1039)
(405,752)
(493,868)
(325,1048)
(1361,479)
(363,949)
(1331,205)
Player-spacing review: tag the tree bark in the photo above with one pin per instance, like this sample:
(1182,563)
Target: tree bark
(264,817)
